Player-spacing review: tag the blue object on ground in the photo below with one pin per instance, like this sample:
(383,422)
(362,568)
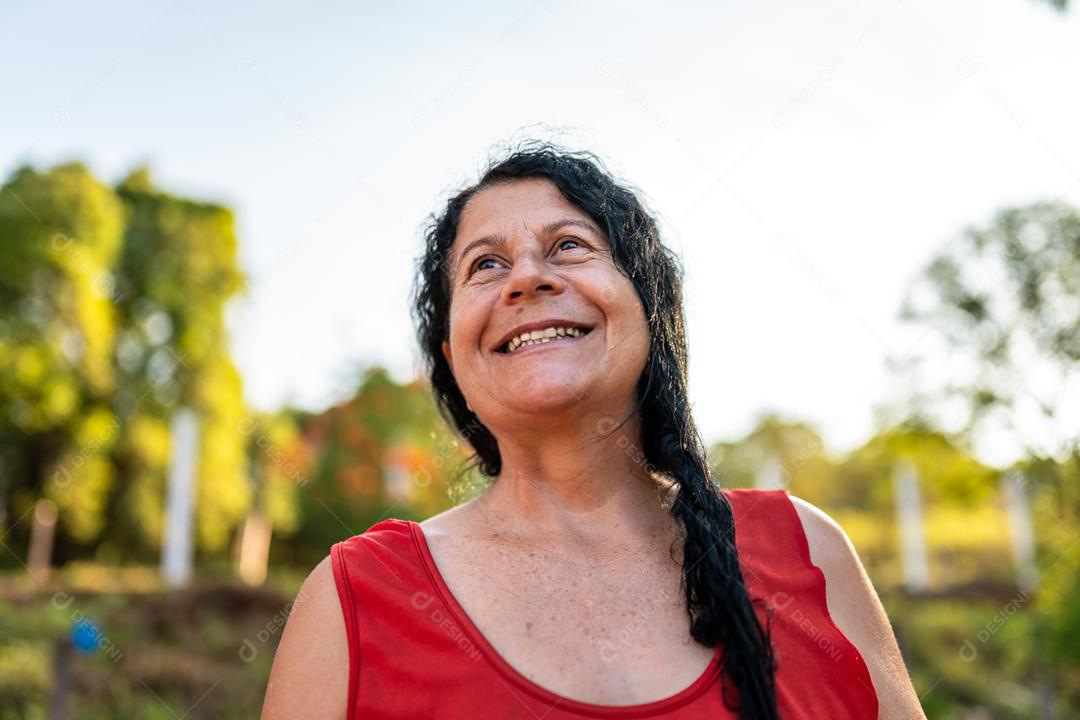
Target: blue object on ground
(84,636)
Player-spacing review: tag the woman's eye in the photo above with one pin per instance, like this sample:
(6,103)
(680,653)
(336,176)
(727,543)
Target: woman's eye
(567,240)
(480,263)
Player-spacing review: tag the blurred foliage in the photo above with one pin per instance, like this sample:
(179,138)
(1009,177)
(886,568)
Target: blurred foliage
(62,230)
(175,275)
(383,453)
(111,318)
(1004,302)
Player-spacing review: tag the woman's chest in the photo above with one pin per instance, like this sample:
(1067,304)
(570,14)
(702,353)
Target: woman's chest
(613,633)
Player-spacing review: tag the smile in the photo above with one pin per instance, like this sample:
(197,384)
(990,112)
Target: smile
(558,335)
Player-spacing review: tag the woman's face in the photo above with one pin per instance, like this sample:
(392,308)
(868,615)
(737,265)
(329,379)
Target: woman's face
(527,259)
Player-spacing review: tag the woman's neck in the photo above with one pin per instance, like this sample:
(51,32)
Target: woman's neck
(570,485)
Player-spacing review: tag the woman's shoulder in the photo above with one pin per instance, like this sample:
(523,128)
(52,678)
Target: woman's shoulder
(311,674)
(309,677)
(830,547)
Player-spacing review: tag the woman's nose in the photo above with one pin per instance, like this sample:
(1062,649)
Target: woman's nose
(531,275)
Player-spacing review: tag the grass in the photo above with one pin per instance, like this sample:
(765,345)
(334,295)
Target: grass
(201,652)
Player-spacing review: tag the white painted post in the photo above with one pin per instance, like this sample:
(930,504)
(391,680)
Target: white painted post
(1020,530)
(770,475)
(909,516)
(177,548)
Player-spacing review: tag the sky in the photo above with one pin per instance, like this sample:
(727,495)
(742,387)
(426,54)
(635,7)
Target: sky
(806,160)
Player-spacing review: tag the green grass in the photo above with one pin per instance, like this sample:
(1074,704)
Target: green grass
(160,653)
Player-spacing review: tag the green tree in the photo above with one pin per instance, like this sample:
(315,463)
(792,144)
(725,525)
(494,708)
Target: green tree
(175,275)
(60,233)
(111,317)
(1002,304)
(278,463)
(383,453)
(796,449)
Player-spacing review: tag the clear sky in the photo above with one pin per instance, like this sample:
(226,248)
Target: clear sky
(805,158)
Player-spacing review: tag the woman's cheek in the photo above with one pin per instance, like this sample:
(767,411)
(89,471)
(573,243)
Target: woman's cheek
(617,288)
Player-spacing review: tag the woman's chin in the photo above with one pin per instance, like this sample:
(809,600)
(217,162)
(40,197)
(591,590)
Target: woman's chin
(547,399)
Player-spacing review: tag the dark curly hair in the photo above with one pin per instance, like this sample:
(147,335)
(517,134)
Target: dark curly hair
(717,602)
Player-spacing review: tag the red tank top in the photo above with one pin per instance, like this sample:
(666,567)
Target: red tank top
(414,653)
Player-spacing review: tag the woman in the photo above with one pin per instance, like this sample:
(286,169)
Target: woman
(603,573)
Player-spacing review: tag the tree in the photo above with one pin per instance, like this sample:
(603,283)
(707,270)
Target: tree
(111,316)
(1005,301)
(383,453)
(61,232)
(176,273)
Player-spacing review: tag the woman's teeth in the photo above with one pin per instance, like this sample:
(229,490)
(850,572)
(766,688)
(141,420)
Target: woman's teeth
(537,337)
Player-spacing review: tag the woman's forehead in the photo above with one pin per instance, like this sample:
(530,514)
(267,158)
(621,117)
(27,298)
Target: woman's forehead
(529,201)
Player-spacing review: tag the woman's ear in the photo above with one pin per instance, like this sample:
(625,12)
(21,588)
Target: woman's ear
(450,361)
(446,354)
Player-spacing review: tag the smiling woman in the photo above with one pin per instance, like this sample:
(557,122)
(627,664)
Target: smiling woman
(603,573)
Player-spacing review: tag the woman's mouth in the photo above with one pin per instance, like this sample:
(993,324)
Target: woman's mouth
(558,334)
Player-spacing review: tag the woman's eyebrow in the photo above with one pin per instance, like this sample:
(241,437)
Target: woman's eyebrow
(498,240)
(570,222)
(495,240)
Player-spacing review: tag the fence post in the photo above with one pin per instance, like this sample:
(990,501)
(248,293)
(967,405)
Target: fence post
(910,518)
(176,550)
